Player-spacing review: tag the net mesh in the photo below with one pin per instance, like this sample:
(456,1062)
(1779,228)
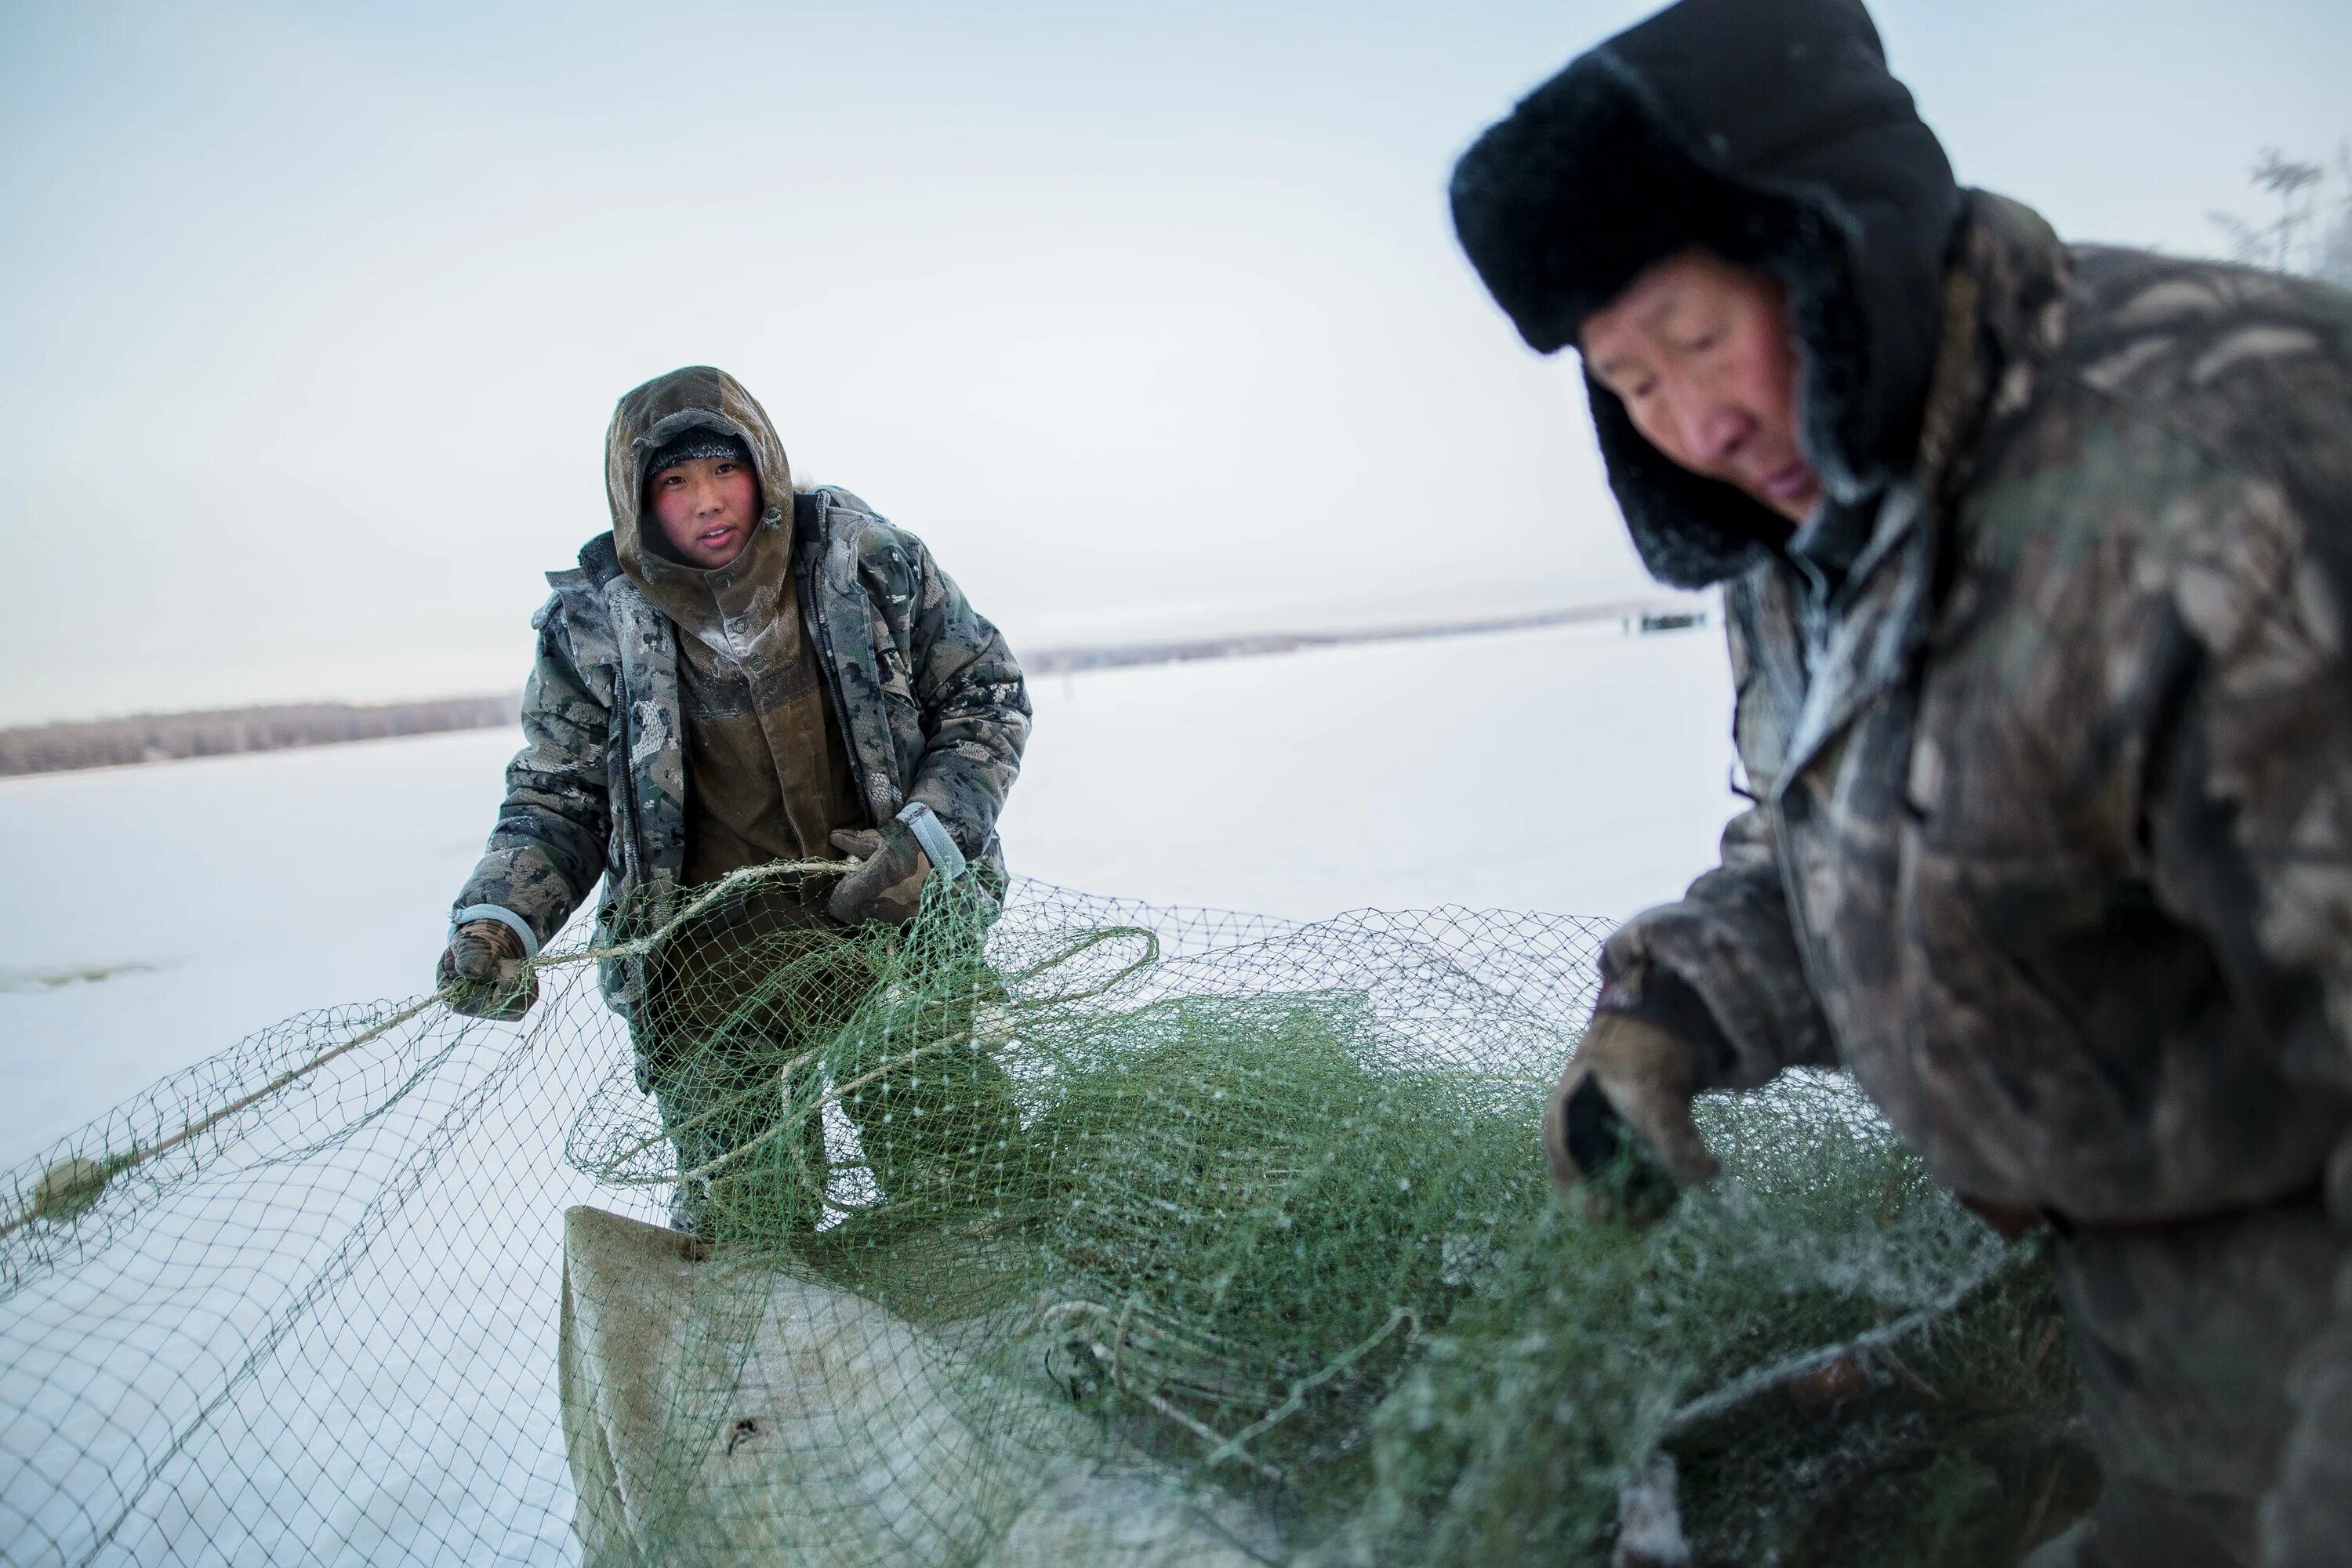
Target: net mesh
(1083,1231)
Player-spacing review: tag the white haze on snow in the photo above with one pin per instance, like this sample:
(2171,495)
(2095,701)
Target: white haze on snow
(160,913)
(163,911)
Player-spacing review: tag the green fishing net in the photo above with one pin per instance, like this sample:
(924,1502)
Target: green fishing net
(1077,1230)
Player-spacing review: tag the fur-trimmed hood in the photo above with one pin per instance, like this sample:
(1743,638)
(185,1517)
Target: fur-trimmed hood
(1772,132)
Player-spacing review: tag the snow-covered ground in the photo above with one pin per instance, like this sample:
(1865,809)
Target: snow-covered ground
(229,1367)
(157,914)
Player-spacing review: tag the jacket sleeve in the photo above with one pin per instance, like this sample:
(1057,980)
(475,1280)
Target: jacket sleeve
(2245,811)
(1721,968)
(975,707)
(547,851)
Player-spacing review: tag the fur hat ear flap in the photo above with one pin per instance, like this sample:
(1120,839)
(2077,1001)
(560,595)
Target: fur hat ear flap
(1825,316)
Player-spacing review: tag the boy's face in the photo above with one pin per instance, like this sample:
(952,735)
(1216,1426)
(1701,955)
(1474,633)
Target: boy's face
(707,508)
(1700,353)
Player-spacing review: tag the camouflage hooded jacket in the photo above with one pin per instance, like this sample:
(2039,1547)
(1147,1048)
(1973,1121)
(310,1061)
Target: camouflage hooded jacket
(930,700)
(2046,709)
(2053,835)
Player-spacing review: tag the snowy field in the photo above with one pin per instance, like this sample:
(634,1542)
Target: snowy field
(240,1374)
(158,914)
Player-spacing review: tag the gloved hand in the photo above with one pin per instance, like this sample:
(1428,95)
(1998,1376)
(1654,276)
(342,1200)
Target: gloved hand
(1619,1125)
(484,963)
(889,888)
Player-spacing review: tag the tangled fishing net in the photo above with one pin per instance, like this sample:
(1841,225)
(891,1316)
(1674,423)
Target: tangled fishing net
(1086,1232)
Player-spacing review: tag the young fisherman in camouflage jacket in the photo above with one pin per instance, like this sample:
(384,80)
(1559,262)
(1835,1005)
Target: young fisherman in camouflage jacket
(2037,563)
(739,674)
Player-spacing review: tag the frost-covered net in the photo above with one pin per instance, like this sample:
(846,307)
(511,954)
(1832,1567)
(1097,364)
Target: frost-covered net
(1089,1232)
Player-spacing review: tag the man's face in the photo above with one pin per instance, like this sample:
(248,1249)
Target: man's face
(1700,353)
(707,508)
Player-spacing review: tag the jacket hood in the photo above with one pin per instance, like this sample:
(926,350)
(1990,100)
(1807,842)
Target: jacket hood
(729,608)
(1771,132)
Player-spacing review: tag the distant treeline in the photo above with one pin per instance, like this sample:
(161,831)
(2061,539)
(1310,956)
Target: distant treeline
(1650,615)
(167,737)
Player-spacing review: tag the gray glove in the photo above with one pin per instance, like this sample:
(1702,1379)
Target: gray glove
(1619,1125)
(483,969)
(887,887)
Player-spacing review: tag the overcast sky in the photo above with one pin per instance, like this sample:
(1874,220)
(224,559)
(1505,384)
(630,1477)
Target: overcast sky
(1148,316)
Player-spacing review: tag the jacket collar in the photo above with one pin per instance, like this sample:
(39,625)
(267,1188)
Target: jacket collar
(2004,317)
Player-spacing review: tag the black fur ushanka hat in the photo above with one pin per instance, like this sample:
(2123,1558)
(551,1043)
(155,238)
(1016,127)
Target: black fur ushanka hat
(1771,132)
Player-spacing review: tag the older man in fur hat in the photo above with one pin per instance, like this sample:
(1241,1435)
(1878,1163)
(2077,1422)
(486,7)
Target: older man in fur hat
(2037,559)
(740,674)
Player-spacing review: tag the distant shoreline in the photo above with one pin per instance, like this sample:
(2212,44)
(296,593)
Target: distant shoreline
(74,745)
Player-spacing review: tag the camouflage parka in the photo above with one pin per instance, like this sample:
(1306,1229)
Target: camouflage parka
(930,700)
(2052,842)
(2053,835)
(2045,713)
